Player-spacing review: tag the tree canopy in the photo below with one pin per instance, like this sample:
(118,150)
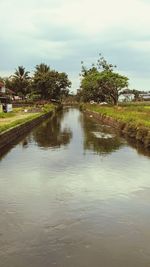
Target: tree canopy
(19,82)
(50,83)
(45,83)
(101,82)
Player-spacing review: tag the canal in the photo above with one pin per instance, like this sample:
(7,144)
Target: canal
(73,193)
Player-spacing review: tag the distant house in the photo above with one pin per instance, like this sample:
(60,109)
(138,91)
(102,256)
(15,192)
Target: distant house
(6,96)
(126,97)
(5,91)
(145,97)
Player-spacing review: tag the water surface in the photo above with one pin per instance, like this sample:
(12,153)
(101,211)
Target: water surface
(74,194)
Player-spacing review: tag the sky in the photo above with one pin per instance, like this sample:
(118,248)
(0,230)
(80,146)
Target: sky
(62,33)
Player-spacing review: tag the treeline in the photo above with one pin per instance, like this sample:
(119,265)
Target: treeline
(101,83)
(45,83)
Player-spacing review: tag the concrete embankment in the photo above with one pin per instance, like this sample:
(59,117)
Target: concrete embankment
(138,133)
(10,135)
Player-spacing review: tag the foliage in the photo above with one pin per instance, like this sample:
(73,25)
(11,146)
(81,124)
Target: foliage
(6,115)
(50,83)
(101,83)
(47,108)
(19,82)
(90,87)
(17,122)
(45,83)
(133,114)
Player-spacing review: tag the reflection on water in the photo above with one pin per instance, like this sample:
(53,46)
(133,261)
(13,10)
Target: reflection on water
(73,193)
(139,147)
(99,138)
(51,135)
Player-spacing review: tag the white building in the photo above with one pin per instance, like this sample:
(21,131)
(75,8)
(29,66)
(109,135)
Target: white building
(145,96)
(126,97)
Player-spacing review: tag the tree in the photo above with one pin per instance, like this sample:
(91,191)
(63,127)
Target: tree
(90,87)
(50,83)
(101,83)
(19,82)
(112,85)
(42,68)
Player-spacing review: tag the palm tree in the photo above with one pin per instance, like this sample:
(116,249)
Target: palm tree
(21,74)
(42,68)
(20,81)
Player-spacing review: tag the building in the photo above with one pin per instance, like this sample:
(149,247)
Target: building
(126,97)
(6,95)
(145,97)
(5,91)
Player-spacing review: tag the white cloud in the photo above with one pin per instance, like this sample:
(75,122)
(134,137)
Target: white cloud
(63,32)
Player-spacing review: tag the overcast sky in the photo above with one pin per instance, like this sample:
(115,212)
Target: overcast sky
(62,33)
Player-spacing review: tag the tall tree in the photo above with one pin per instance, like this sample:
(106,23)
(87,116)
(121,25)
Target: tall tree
(112,85)
(101,83)
(50,83)
(20,81)
(42,68)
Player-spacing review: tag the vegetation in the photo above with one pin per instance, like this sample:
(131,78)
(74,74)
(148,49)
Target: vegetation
(100,83)
(19,82)
(138,115)
(132,120)
(17,122)
(45,83)
(19,116)
(49,83)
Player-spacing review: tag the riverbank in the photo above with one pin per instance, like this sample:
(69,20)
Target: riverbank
(13,125)
(131,120)
(22,115)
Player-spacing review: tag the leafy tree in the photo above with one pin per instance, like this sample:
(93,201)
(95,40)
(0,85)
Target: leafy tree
(136,93)
(101,83)
(90,87)
(50,83)
(112,84)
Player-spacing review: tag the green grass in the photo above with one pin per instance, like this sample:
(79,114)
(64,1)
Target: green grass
(7,115)
(48,107)
(18,116)
(17,122)
(137,115)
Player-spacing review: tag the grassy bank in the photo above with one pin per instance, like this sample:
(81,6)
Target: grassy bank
(138,115)
(22,115)
(133,120)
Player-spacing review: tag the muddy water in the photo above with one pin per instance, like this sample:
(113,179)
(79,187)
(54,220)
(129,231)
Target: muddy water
(74,194)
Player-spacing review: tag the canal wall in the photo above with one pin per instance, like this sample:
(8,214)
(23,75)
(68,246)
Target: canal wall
(10,135)
(139,134)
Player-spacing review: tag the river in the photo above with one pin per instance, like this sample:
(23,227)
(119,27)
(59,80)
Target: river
(73,193)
